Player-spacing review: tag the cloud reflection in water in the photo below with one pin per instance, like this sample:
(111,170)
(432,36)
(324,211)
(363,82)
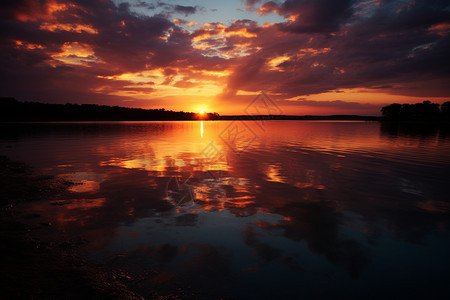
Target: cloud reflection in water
(306,202)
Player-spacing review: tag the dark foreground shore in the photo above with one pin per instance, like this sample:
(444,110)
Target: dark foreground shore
(38,261)
(34,268)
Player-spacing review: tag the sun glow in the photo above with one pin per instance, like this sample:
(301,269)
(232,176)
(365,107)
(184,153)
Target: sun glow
(201,113)
(201,109)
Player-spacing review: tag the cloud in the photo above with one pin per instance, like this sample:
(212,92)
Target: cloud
(98,50)
(311,16)
(185,22)
(53,47)
(348,51)
(249,4)
(186,10)
(269,7)
(169,9)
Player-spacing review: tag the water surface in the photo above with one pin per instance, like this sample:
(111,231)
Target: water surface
(240,209)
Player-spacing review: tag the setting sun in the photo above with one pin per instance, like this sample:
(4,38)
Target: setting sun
(201,113)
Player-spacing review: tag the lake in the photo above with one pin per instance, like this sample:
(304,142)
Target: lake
(252,209)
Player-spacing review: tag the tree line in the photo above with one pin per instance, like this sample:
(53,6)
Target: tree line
(13,110)
(425,111)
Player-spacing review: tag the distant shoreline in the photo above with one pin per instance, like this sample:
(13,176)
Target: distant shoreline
(13,111)
(221,118)
(302,118)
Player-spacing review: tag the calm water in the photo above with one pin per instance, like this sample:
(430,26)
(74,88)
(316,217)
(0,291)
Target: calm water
(280,209)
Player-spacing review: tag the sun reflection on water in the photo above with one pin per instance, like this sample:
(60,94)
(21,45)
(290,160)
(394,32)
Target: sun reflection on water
(201,129)
(300,199)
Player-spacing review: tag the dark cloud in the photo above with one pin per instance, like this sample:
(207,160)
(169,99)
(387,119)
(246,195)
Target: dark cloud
(311,16)
(53,50)
(169,9)
(186,10)
(387,45)
(249,25)
(316,15)
(146,5)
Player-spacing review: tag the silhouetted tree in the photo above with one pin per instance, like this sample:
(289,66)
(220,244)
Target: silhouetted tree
(13,110)
(445,110)
(392,111)
(426,111)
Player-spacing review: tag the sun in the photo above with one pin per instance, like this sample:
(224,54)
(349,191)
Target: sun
(201,111)
(201,114)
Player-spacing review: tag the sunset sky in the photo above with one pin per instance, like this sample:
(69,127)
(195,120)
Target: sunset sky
(310,56)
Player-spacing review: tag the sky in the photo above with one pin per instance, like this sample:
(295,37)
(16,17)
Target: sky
(311,57)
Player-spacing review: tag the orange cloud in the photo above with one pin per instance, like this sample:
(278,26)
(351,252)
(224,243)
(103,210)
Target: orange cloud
(274,62)
(267,8)
(79,28)
(36,11)
(184,22)
(209,30)
(28,46)
(76,53)
(441,29)
(242,32)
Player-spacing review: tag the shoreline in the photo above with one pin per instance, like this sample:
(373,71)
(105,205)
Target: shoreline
(40,267)
(247,117)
